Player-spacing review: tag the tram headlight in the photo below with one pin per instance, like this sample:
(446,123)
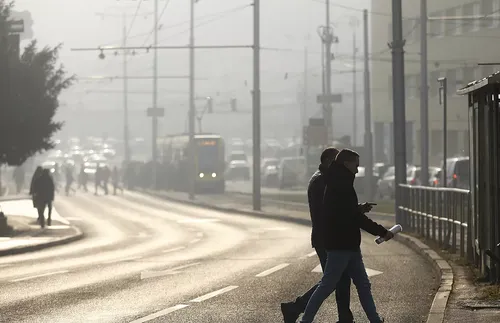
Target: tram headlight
(201,175)
(214,175)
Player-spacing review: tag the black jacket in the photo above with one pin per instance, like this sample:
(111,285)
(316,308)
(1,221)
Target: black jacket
(315,192)
(341,217)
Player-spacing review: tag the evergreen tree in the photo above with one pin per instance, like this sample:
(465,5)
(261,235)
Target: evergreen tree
(29,89)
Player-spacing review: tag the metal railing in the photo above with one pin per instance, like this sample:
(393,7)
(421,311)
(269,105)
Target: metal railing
(438,214)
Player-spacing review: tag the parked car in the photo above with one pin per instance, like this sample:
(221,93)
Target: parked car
(238,169)
(292,172)
(360,181)
(457,172)
(269,172)
(414,178)
(386,186)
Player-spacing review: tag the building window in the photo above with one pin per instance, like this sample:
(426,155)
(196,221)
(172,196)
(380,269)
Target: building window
(434,83)
(476,10)
(468,25)
(411,86)
(469,74)
(495,12)
(459,79)
(458,24)
(486,70)
(436,26)
(451,76)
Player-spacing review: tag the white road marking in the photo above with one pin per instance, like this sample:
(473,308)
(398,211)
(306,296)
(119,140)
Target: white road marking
(271,270)
(5,265)
(312,254)
(172,271)
(52,227)
(142,235)
(199,234)
(317,269)
(194,241)
(213,294)
(372,272)
(160,313)
(122,259)
(369,272)
(41,275)
(173,249)
(198,221)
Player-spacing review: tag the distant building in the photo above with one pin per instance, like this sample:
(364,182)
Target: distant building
(455,47)
(28,23)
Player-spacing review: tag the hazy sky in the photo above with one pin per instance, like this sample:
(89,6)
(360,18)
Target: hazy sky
(285,25)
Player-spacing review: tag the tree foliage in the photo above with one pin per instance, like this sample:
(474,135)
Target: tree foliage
(29,89)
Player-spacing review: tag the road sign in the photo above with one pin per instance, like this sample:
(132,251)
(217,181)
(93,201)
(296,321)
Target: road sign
(16,26)
(156,112)
(332,98)
(315,135)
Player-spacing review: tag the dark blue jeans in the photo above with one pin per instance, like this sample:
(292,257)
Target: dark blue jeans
(342,292)
(338,261)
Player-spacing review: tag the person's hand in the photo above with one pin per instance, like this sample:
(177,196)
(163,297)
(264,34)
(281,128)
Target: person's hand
(365,207)
(388,236)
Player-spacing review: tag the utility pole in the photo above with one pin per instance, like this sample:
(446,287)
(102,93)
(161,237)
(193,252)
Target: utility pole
(303,114)
(126,138)
(368,115)
(399,115)
(328,83)
(424,97)
(354,24)
(192,107)
(443,99)
(155,100)
(256,106)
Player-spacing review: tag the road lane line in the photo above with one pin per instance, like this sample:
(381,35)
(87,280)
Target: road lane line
(272,270)
(41,275)
(172,271)
(160,313)
(213,294)
(121,260)
(194,241)
(173,249)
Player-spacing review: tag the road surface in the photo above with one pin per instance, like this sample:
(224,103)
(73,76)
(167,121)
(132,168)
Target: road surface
(147,260)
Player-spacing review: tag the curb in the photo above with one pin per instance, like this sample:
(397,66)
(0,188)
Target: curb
(441,267)
(56,242)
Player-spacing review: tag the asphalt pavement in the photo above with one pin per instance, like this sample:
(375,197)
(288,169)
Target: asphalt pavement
(144,259)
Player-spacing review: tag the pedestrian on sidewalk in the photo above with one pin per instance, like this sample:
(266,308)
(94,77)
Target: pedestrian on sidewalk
(315,191)
(38,172)
(343,218)
(115,178)
(44,191)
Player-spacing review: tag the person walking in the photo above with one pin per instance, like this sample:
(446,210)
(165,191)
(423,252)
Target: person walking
(343,218)
(315,191)
(44,191)
(38,172)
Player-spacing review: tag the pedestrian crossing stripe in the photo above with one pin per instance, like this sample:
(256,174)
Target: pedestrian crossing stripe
(369,272)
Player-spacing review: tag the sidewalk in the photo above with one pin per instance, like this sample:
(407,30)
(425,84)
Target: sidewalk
(463,305)
(27,234)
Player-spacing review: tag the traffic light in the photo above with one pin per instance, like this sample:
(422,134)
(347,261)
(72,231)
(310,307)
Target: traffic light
(233,105)
(210,104)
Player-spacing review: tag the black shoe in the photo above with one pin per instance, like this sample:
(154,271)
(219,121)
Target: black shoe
(290,313)
(49,222)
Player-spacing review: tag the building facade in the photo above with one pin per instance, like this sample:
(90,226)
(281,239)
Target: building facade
(455,47)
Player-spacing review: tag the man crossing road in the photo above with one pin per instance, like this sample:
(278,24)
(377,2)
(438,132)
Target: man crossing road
(315,192)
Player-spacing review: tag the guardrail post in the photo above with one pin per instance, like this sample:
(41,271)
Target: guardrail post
(470,249)
(454,222)
(462,229)
(440,216)
(434,212)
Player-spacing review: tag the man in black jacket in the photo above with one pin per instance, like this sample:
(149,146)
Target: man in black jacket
(343,218)
(315,192)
